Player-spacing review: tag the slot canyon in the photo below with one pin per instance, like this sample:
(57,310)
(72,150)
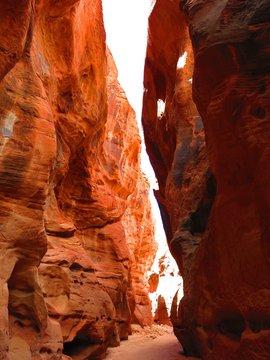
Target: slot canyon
(77,234)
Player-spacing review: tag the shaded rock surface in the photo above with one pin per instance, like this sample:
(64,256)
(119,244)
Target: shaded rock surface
(218,227)
(175,136)
(175,143)
(231,88)
(69,166)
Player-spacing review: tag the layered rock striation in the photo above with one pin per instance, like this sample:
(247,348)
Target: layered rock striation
(76,232)
(217,220)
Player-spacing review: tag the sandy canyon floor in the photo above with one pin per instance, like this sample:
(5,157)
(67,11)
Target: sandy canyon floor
(155,343)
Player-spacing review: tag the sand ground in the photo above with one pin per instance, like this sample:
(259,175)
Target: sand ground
(155,344)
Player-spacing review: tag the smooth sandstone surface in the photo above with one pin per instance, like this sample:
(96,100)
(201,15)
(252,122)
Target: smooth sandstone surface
(76,233)
(175,142)
(223,257)
(231,87)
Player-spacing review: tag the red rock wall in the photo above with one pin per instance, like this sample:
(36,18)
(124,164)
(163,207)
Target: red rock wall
(176,145)
(174,138)
(69,163)
(225,311)
(231,82)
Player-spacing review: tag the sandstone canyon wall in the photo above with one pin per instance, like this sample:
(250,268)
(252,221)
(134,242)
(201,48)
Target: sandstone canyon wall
(224,314)
(76,233)
(176,145)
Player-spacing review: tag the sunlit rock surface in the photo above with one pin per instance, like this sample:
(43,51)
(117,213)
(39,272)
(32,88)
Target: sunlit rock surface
(69,165)
(164,281)
(224,314)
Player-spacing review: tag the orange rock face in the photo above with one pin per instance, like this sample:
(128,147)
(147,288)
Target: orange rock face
(174,136)
(161,314)
(223,258)
(69,166)
(175,143)
(231,88)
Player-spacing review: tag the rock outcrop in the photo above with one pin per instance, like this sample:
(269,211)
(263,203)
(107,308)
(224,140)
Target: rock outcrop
(69,166)
(223,257)
(164,281)
(161,314)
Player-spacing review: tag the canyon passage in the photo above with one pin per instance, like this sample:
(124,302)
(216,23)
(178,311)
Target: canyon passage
(76,227)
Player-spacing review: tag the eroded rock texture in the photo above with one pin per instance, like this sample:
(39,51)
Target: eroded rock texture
(174,135)
(175,142)
(69,166)
(231,90)
(225,310)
